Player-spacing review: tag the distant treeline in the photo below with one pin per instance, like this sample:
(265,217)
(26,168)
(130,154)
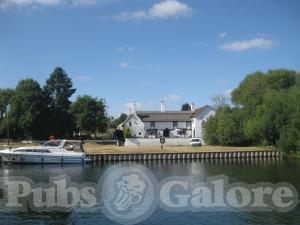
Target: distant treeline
(265,110)
(37,112)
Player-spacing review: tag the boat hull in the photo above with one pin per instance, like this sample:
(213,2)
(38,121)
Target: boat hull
(43,159)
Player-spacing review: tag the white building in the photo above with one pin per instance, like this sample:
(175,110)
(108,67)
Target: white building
(151,124)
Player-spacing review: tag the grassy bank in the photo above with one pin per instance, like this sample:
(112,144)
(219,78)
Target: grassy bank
(103,149)
(93,148)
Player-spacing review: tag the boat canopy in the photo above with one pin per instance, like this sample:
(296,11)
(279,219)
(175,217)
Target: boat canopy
(70,145)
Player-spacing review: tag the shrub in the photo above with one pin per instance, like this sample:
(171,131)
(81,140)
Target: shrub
(127,133)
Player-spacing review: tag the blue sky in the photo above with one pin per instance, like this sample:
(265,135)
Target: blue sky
(125,50)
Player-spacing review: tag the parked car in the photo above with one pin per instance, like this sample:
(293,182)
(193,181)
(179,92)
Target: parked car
(195,142)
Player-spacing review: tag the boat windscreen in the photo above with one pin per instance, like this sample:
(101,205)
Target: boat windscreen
(52,143)
(73,146)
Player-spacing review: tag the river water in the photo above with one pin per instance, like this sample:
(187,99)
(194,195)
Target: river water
(243,170)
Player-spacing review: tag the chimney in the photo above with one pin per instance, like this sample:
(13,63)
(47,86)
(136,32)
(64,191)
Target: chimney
(192,105)
(133,108)
(162,106)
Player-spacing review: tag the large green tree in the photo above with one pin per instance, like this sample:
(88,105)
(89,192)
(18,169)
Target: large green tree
(27,110)
(58,90)
(89,114)
(6,96)
(266,111)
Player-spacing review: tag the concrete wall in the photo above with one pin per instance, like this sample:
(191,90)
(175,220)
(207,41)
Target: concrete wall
(155,141)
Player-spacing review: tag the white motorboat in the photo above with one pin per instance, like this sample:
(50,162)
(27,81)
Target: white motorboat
(55,151)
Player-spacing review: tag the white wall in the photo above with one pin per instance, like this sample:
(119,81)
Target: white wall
(156,141)
(199,120)
(137,127)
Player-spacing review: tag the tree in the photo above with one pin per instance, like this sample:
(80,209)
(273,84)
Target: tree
(250,92)
(27,108)
(269,118)
(116,122)
(210,127)
(225,128)
(266,111)
(219,101)
(89,114)
(58,90)
(127,133)
(186,107)
(6,96)
(280,79)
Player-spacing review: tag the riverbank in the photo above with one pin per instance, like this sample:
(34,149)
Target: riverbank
(94,149)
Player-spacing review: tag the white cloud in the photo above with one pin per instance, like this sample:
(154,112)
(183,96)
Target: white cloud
(84,2)
(126,49)
(259,43)
(124,65)
(172,97)
(222,34)
(9,3)
(81,78)
(22,3)
(163,10)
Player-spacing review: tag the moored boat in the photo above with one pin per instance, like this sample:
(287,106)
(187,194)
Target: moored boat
(54,151)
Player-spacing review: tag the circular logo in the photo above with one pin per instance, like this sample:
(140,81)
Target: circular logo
(128,193)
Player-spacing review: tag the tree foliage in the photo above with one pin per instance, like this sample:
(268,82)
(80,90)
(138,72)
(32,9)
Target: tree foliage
(37,113)
(89,114)
(58,90)
(266,111)
(186,107)
(27,106)
(219,101)
(127,133)
(116,122)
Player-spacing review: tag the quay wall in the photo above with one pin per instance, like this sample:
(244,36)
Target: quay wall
(183,156)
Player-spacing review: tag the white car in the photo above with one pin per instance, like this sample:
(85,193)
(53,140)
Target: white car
(195,142)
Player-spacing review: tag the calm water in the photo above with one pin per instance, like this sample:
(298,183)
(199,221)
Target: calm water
(249,171)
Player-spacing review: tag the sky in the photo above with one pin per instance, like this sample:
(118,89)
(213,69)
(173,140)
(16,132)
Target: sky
(148,50)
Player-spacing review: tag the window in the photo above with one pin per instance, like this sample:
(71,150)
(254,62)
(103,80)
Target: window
(175,124)
(152,125)
(188,125)
(130,124)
